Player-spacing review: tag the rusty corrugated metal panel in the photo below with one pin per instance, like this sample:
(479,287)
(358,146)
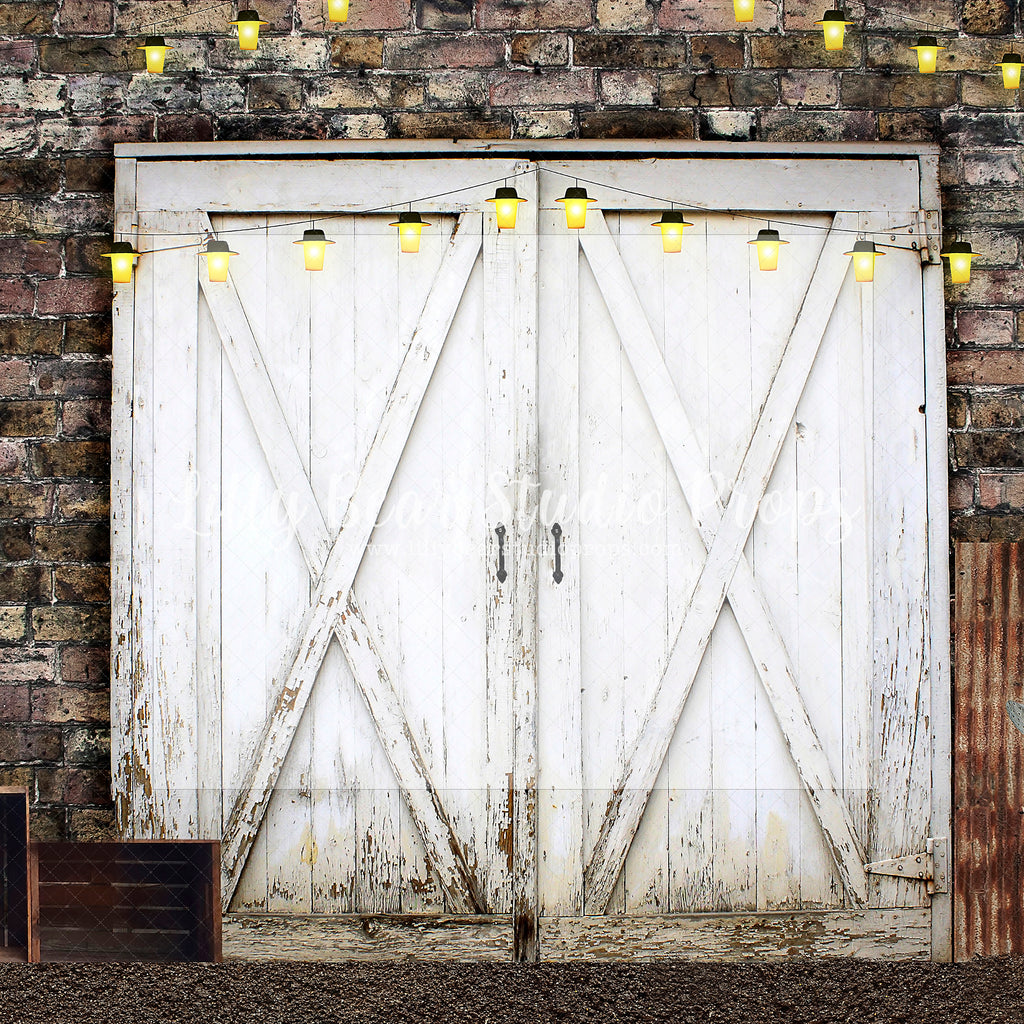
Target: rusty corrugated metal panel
(988,750)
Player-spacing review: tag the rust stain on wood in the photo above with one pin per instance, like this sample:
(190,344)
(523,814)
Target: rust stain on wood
(988,751)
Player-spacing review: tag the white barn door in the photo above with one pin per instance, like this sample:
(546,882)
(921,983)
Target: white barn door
(540,593)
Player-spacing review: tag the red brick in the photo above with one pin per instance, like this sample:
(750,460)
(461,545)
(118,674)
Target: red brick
(991,327)
(85,666)
(552,88)
(532,14)
(14,704)
(12,459)
(73,378)
(1001,489)
(711,16)
(24,665)
(990,287)
(961,490)
(185,128)
(16,296)
(989,367)
(19,744)
(15,378)
(88,786)
(87,418)
(67,295)
(362,17)
(25,256)
(449,51)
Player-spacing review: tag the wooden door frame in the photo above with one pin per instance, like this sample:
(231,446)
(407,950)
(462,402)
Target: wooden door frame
(797,178)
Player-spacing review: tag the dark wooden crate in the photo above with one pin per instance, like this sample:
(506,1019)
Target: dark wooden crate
(146,900)
(15,889)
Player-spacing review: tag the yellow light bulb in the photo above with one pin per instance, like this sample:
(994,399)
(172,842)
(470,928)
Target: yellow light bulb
(314,248)
(833,26)
(410,227)
(767,243)
(864,255)
(337,10)
(576,201)
(960,255)
(217,256)
(122,258)
(1010,65)
(744,10)
(156,51)
(248,25)
(927,54)
(506,205)
(672,224)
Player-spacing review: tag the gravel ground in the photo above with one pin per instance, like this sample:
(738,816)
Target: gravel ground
(805,991)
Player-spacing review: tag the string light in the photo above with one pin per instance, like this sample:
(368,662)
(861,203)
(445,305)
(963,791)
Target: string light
(744,10)
(337,10)
(927,54)
(1010,65)
(156,51)
(672,223)
(959,255)
(864,255)
(506,205)
(314,248)
(768,243)
(248,24)
(576,202)
(833,26)
(217,256)
(122,258)
(410,227)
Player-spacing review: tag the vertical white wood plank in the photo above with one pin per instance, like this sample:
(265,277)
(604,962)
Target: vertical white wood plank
(285,344)
(209,597)
(902,694)
(123,754)
(689,350)
(175,700)
(333,467)
(642,523)
(560,738)
(601,561)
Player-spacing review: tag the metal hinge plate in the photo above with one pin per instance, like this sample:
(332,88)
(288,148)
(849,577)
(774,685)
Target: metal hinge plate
(929,867)
(929,237)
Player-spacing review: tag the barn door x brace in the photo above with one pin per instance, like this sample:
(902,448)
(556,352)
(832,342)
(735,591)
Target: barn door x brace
(928,867)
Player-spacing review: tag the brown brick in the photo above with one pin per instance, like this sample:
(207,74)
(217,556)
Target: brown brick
(86,418)
(15,378)
(20,777)
(723,124)
(809,89)
(24,584)
(457,89)
(988,17)
(78,623)
(92,826)
(445,125)
(799,52)
(85,666)
(367,92)
(90,459)
(992,167)
(88,335)
(527,88)
(83,501)
(716,52)
(625,15)
(86,16)
(59,704)
(73,543)
(83,254)
(956,410)
(445,51)
(67,295)
(995,449)
(50,785)
(27,19)
(540,49)
(990,287)
(913,90)
(711,16)
(87,746)
(818,125)
(1001,490)
(994,366)
(185,128)
(524,15)
(545,124)
(14,704)
(24,665)
(96,133)
(30,337)
(87,786)
(16,541)
(628,51)
(82,584)
(275,92)
(33,743)
(13,627)
(89,174)
(961,491)
(641,124)
(272,127)
(28,419)
(628,88)
(74,378)
(991,527)
(357,52)
(79,56)
(444,15)
(990,327)
(29,177)
(47,824)
(24,501)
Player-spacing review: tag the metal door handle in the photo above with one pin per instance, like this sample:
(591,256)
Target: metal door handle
(556,532)
(500,531)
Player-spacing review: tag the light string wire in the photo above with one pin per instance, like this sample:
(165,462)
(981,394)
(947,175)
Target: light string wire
(390,207)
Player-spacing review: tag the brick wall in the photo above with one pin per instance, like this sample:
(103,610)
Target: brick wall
(71,86)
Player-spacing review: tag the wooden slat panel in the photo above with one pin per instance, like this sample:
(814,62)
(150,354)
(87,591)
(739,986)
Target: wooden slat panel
(989,761)
(872,934)
(376,938)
